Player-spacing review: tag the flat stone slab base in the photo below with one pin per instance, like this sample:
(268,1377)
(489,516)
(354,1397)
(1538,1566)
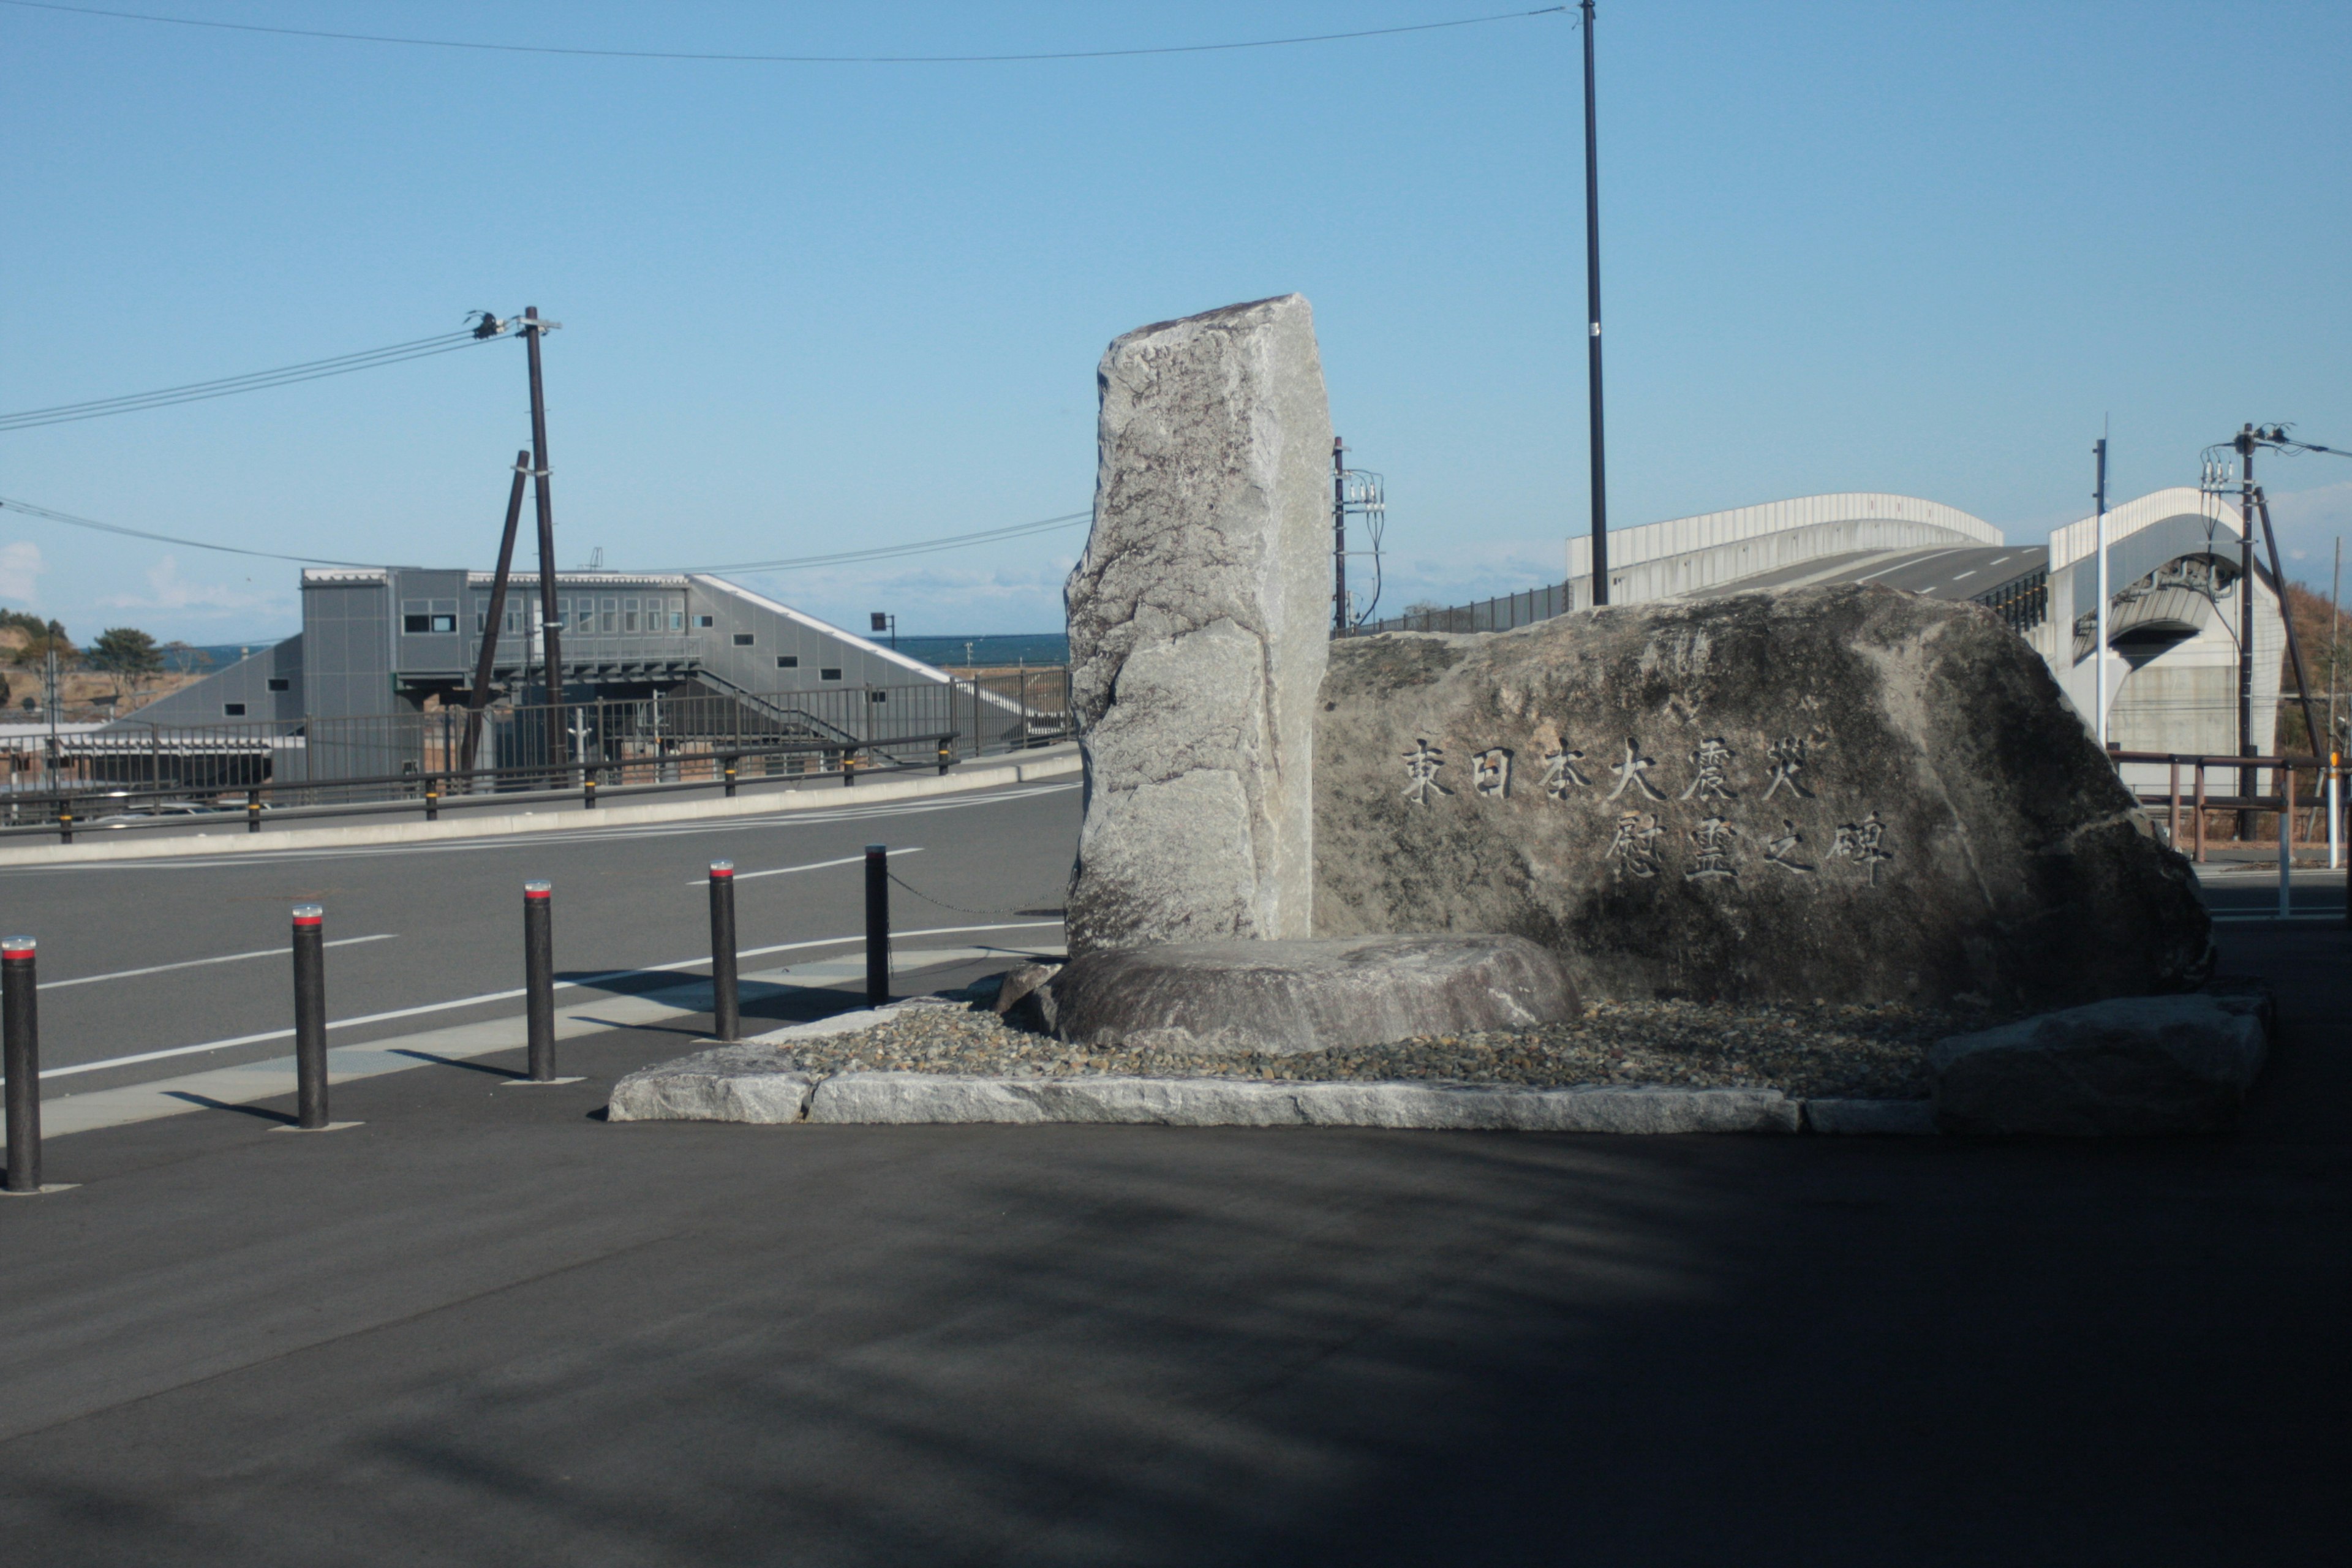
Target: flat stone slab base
(1223,997)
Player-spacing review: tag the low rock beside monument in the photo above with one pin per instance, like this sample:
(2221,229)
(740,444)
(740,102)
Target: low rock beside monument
(1278,997)
(2131,1065)
(1844,794)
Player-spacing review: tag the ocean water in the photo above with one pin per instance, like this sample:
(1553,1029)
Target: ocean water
(998,648)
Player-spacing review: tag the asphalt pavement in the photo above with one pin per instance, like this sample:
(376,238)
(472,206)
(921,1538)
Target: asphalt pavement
(486,1327)
(151,969)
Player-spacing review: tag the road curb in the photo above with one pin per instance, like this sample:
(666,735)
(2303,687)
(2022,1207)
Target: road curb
(1054,763)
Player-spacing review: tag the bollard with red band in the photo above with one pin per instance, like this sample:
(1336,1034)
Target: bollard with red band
(539,976)
(726,1016)
(311,1015)
(20,1022)
(877,924)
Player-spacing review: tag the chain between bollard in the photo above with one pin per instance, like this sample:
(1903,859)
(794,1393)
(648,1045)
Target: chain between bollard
(20,1023)
(726,1014)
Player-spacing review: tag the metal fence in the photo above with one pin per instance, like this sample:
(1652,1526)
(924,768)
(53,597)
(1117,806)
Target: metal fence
(702,736)
(1499,615)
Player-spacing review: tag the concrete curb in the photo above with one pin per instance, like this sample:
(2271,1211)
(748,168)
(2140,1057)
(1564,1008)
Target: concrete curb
(757,1082)
(1044,764)
(1904,1118)
(901,1098)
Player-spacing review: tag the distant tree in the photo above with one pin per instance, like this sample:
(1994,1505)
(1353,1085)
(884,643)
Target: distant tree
(181,656)
(126,653)
(39,637)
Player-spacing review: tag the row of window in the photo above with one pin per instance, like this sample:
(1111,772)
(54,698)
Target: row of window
(237,709)
(611,615)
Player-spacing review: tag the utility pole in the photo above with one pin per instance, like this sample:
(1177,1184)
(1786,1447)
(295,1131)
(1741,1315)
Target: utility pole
(1339,537)
(533,328)
(2244,444)
(2099,648)
(480,697)
(1592,322)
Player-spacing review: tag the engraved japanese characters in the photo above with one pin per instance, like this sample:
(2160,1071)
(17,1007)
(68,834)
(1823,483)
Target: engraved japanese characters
(1844,792)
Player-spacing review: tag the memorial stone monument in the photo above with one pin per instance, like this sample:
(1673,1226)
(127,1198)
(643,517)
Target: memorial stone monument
(1199,623)
(1848,792)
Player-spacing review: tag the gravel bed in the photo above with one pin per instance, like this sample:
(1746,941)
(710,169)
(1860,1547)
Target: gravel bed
(1875,1052)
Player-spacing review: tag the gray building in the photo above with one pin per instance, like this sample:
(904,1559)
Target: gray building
(386,657)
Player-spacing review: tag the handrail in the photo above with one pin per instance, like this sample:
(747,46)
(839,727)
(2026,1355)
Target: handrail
(432,792)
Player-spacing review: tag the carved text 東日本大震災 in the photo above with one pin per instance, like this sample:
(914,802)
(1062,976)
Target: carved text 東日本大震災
(1420,766)
(1490,771)
(1561,774)
(1709,771)
(1633,770)
(1788,757)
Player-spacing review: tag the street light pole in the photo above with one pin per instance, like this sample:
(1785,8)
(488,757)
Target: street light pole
(2247,777)
(1592,322)
(533,328)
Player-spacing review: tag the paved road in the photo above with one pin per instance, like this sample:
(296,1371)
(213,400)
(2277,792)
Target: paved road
(145,957)
(488,1327)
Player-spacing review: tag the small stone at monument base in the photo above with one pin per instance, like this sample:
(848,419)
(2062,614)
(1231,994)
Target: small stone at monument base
(730,1083)
(1219,998)
(2128,1064)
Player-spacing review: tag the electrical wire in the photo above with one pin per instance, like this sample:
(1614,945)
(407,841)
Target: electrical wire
(71,520)
(772,60)
(253,381)
(888,552)
(921,547)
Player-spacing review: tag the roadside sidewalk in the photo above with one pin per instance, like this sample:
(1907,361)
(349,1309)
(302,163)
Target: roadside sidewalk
(1052,762)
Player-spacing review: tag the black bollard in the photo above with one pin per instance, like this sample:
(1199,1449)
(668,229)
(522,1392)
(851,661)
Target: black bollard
(310,1014)
(726,1016)
(539,976)
(20,1020)
(878,925)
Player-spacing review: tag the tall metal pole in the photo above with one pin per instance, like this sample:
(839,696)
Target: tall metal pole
(480,697)
(2099,644)
(2246,776)
(2286,618)
(1339,537)
(532,330)
(1592,322)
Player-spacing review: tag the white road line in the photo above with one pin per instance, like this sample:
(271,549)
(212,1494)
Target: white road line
(1969,573)
(200,963)
(1899,565)
(489,996)
(1996,560)
(811,866)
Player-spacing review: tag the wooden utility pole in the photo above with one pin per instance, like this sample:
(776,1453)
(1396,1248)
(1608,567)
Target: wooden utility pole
(480,697)
(550,628)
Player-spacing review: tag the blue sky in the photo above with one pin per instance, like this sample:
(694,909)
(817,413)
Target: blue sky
(812,308)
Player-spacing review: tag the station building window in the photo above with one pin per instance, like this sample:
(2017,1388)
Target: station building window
(788,661)
(611,612)
(281,683)
(743,639)
(234,710)
(828,673)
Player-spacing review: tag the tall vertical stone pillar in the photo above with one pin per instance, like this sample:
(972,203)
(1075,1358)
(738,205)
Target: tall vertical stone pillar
(1200,620)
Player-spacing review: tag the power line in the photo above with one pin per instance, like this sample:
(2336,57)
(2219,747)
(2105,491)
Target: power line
(774,59)
(880,552)
(90,523)
(887,552)
(252,381)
